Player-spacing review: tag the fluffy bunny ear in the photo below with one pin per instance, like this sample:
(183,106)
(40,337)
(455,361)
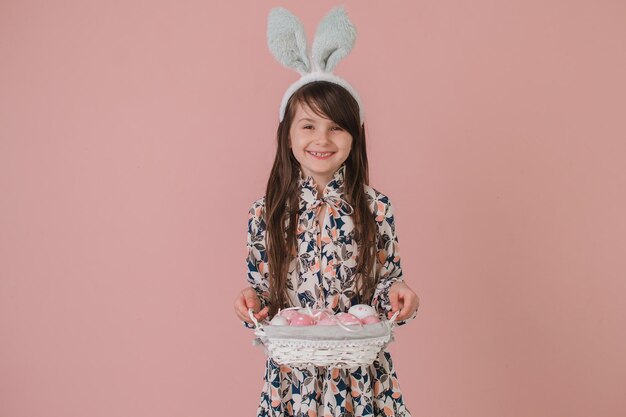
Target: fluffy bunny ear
(287,40)
(333,40)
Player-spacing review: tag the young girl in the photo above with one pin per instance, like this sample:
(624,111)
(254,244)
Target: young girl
(322,237)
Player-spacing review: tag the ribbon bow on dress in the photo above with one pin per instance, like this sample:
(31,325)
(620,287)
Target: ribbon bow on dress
(336,205)
(332,195)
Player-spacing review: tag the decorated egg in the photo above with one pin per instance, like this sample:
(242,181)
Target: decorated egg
(320,314)
(288,313)
(305,310)
(347,319)
(328,321)
(279,320)
(299,319)
(370,320)
(362,310)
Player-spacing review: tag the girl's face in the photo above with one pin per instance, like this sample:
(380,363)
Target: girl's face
(318,144)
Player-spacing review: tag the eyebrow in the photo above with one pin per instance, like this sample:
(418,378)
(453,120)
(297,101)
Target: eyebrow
(312,120)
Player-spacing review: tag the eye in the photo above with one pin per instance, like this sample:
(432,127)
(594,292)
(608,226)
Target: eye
(337,128)
(307,127)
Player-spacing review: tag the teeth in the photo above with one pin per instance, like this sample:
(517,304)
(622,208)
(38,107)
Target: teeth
(320,154)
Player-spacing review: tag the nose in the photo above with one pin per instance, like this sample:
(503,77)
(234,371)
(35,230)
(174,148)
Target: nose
(323,136)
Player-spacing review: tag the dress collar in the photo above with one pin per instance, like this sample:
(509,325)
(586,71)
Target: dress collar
(332,195)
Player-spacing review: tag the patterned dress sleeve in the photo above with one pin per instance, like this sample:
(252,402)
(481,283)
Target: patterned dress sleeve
(258,274)
(388,265)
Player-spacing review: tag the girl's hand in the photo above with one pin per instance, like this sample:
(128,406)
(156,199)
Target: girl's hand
(404,299)
(247,299)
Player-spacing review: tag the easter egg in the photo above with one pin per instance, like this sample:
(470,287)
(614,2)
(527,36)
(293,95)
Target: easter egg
(362,310)
(305,310)
(370,320)
(319,314)
(299,319)
(348,319)
(279,321)
(288,313)
(328,321)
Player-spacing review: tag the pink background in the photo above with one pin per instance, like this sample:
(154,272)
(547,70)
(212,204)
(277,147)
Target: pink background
(135,135)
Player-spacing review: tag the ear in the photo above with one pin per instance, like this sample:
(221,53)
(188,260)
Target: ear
(286,40)
(333,40)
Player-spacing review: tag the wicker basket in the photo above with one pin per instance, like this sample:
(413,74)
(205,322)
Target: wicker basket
(329,346)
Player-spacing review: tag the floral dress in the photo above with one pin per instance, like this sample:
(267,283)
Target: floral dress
(322,274)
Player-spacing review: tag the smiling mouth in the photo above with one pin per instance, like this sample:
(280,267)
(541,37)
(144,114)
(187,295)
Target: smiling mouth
(320,154)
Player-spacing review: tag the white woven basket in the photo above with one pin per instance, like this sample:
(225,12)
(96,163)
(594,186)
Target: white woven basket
(329,346)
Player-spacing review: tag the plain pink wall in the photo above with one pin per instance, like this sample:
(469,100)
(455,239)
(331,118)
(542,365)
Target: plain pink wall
(135,135)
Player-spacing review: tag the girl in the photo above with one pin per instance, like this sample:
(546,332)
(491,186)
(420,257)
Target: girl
(321,171)
(322,237)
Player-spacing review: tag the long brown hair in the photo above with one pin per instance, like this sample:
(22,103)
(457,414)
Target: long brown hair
(282,196)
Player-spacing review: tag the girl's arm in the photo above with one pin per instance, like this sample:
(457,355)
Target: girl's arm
(258,274)
(388,265)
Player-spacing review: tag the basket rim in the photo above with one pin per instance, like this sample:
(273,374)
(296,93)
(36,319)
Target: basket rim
(391,322)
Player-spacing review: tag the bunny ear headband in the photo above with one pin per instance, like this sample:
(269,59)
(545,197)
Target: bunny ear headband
(333,41)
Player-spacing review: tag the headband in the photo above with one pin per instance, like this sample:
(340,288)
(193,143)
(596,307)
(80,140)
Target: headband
(333,41)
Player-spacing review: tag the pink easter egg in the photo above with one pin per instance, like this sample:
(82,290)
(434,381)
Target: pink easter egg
(370,320)
(279,321)
(362,310)
(328,321)
(348,319)
(305,310)
(319,314)
(288,314)
(301,320)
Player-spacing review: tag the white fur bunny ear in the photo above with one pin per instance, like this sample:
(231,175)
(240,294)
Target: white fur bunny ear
(333,40)
(286,40)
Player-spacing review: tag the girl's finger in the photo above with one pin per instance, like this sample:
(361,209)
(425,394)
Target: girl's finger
(404,305)
(262,314)
(240,306)
(247,319)
(414,302)
(241,315)
(405,312)
(252,300)
(241,310)
(410,306)
(401,306)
